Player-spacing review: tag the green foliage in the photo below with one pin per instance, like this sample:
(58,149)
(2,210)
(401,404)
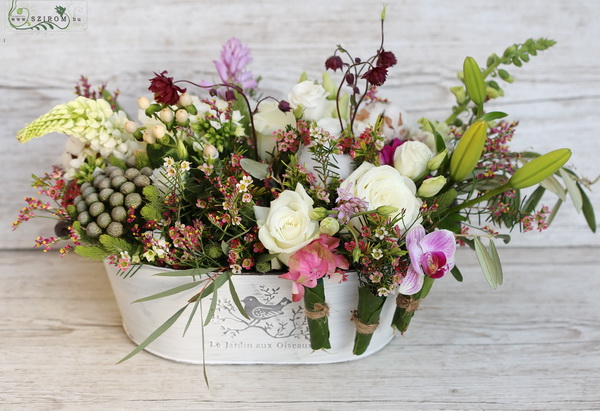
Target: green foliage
(141,160)
(489,262)
(96,253)
(152,211)
(115,245)
(117,162)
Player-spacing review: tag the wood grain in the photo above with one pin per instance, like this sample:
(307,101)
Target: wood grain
(532,344)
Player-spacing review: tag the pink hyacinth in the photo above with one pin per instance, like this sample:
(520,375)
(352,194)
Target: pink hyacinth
(312,262)
(232,66)
(430,254)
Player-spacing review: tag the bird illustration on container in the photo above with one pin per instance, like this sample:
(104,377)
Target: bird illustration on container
(258,311)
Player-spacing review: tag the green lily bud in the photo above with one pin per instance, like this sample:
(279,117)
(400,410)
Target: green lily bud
(329,86)
(182,152)
(437,161)
(468,151)
(540,168)
(303,77)
(474,80)
(492,93)
(505,76)
(383,12)
(431,186)
(459,93)
(329,226)
(386,210)
(318,213)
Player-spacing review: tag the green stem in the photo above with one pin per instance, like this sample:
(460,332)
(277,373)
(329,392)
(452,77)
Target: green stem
(477,200)
(317,327)
(367,313)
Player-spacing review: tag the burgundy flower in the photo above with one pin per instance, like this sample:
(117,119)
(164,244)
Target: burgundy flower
(284,106)
(350,79)
(386,59)
(386,155)
(334,63)
(164,90)
(376,76)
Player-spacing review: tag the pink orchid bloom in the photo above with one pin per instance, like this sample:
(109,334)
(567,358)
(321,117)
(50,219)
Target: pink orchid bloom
(312,262)
(430,254)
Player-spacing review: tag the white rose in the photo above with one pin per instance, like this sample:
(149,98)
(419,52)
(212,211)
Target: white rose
(312,97)
(287,227)
(384,186)
(268,120)
(411,158)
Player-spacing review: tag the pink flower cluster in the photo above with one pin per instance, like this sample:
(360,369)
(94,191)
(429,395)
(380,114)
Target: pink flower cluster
(313,262)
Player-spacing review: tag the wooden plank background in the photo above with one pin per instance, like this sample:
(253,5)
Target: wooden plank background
(556,96)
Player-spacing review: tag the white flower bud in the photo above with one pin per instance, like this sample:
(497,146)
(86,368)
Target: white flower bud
(329,226)
(131,127)
(431,186)
(143,103)
(210,151)
(185,100)
(149,137)
(181,116)
(411,159)
(159,131)
(166,115)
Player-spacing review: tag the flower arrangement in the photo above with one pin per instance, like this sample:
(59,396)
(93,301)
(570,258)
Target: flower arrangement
(332,181)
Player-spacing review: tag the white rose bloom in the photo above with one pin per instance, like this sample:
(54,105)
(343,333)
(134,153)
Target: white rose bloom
(268,120)
(312,97)
(411,158)
(287,227)
(385,186)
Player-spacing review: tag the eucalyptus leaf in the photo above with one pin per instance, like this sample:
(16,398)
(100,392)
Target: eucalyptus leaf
(554,211)
(552,184)
(213,307)
(497,262)
(588,210)
(488,265)
(157,333)
(254,168)
(191,317)
(191,272)
(573,190)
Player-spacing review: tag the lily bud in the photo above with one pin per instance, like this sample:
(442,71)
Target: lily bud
(540,168)
(181,150)
(166,115)
(329,226)
(318,213)
(386,210)
(329,86)
(473,79)
(131,127)
(468,151)
(431,186)
(437,161)
(182,116)
(185,100)
(459,93)
(143,103)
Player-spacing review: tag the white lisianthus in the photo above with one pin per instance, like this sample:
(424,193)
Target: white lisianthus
(432,186)
(268,120)
(286,227)
(385,186)
(411,158)
(311,97)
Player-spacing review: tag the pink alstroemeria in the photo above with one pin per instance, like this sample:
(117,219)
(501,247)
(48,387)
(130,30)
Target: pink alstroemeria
(312,262)
(430,254)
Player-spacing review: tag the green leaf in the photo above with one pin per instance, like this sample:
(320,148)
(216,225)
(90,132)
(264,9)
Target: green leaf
(254,168)
(494,115)
(117,162)
(491,271)
(191,317)
(157,333)
(551,183)
(588,210)
(171,291)
(440,145)
(554,211)
(456,274)
(209,289)
(473,79)
(572,189)
(236,299)
(191,272)
(427,284)
(263,258)
(496,259)
(115,245)
(533,200)
(92,252)
(213,307)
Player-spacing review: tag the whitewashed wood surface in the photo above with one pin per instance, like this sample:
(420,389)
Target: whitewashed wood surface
(532,344)
(556,96)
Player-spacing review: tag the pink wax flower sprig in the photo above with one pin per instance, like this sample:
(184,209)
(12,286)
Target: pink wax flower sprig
(430,255)
(235,56)
(312,263)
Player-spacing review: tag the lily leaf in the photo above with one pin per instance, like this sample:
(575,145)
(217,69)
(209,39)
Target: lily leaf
(157,333)
(588,210)
(573,190)
(496,259)
(533,200)
(489,265)
(552,184)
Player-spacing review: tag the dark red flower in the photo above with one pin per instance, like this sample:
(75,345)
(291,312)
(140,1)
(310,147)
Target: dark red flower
(334,63)
(230,95)
(284,106)
(164,90)
(350,79)
(376,76)
(386,59)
